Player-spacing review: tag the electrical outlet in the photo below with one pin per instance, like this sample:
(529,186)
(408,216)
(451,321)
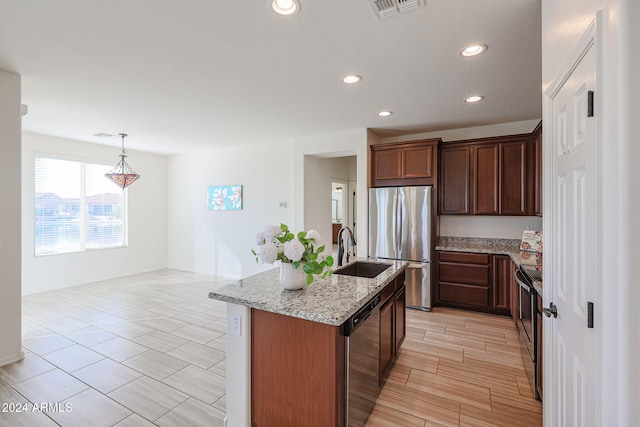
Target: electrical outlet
(530,227)
(236,324)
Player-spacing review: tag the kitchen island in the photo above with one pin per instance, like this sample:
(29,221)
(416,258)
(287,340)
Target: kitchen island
(286,349)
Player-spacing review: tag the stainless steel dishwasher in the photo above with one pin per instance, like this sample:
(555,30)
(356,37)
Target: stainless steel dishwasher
(362,347)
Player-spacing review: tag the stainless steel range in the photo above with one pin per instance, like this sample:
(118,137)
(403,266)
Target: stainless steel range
(527,322)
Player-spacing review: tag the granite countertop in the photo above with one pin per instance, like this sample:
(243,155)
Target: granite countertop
(509,247)
(331,300)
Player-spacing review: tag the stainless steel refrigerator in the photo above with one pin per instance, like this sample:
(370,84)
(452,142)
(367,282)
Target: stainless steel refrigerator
(400,229)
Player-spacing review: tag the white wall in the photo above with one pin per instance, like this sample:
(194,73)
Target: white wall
(630,16)
(10,212)
(220,242)
(147,219)
(337,144)
(319,174)
(495,227)
(617,109)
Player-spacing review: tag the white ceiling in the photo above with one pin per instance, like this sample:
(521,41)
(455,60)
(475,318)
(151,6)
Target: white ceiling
(179,75)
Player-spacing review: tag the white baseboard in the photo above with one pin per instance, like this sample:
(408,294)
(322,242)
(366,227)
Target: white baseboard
(6,360)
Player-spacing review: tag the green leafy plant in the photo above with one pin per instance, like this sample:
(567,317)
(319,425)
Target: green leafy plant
(301,250)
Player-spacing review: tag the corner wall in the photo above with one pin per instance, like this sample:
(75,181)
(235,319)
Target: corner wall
(352,142)
(10,239)
(147,220)
(319,173)
(220,242)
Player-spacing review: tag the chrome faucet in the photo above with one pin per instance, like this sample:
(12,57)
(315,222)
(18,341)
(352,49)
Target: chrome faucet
(352,242)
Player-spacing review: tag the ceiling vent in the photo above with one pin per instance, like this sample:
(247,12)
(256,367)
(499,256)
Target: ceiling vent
(387,8)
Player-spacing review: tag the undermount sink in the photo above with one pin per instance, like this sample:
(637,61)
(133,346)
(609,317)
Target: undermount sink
(362,269)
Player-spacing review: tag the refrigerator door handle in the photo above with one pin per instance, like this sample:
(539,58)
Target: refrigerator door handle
(398,249)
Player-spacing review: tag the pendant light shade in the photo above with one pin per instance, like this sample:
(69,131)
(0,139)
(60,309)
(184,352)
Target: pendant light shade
(122,174)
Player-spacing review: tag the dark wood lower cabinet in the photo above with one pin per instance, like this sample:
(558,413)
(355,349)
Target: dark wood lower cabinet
(393,324)
(387,341)
(474,281)
(501,284)
(401,316)
(299,365)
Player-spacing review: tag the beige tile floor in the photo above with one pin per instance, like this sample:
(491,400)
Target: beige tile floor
(142,350)
(149,350)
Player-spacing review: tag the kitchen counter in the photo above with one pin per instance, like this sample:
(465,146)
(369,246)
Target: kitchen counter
(290,346)
(509,247)
(330,301)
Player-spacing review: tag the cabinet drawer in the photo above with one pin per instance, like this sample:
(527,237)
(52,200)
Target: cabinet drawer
(399,282)
(463,258)
(464,294)
(463,273)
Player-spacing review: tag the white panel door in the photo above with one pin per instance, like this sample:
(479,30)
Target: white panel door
(575,239)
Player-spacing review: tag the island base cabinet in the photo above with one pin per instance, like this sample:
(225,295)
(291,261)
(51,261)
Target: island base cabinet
(297,372)
(387,341)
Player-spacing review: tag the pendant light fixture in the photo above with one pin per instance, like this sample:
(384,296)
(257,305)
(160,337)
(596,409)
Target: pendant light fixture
(122,174)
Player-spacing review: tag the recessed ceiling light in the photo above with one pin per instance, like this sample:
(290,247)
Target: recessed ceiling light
(286,7)
(385,113)
(351,78)
(473,50)
(472,99)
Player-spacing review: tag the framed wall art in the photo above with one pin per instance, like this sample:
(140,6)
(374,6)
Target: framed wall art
(224,198)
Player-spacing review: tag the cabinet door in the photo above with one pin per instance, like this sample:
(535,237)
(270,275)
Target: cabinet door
(485,180)
(387,341)
(417,161)
(454,180)
(400,314)
(513,178)
(537,181)
(387,163)
(501,284)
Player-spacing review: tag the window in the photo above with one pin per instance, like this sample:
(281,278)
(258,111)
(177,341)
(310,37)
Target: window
(76,207)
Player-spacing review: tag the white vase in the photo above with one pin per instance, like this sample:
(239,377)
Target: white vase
(292,278)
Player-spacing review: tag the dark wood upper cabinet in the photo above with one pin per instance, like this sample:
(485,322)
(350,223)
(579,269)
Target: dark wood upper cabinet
(537,167)
(492,176)
(486,179)
(406,163)
(454,180)
(513,178)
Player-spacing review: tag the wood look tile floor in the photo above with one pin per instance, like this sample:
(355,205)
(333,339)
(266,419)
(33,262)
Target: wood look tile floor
(457,368)
(149,350)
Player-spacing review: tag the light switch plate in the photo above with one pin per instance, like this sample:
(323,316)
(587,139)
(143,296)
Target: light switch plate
(236,324)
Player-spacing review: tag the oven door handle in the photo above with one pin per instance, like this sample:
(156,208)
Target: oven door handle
(521,281)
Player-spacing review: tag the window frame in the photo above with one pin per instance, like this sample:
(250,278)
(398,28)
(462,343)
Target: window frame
(83,204)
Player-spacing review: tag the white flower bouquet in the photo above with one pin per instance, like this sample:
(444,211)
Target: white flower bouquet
(301,250)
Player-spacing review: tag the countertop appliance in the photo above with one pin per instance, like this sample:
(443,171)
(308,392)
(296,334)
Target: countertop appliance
(400,229)
(527,325)
(362,356)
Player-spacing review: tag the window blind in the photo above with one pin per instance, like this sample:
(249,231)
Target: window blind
(76,207)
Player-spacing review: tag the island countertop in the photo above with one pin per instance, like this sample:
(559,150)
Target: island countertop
(331,300)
